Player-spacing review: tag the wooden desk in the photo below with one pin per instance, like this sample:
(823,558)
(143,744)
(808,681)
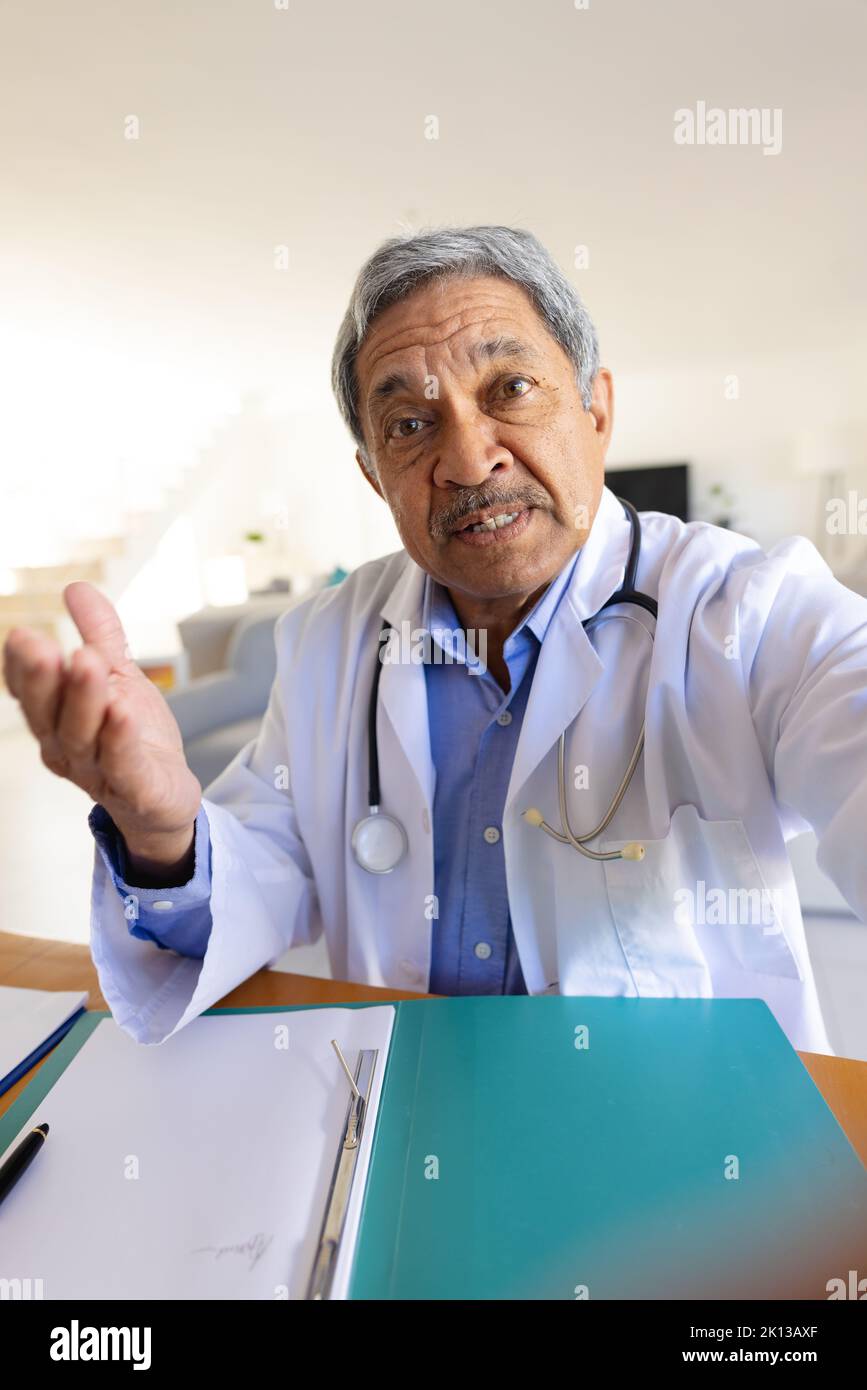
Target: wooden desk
(32,963)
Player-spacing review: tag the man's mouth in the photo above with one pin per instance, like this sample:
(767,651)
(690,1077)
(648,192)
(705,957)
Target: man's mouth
(492,527)
(489,520)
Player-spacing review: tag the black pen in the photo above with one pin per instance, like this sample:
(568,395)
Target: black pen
(21,1158)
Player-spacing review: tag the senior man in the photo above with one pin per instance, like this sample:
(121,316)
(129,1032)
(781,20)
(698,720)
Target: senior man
(592,797)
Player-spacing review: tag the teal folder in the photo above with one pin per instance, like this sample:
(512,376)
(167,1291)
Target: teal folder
(572,1148)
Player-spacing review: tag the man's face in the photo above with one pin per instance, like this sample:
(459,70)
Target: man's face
(471,411)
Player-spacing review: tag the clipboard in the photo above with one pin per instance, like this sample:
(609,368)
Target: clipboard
(510,1160)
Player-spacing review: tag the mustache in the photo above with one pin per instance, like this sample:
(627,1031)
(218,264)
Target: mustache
(469,500)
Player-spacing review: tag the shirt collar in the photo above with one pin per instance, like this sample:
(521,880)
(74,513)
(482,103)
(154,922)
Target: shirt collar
(599,570)
(438,612)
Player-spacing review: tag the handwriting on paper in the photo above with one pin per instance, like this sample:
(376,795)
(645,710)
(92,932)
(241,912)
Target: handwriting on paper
(252,1249)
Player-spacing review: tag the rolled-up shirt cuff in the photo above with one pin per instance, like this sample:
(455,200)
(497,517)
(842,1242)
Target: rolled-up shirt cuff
(176,918)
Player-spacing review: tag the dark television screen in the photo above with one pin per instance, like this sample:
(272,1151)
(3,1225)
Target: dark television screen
(659,488)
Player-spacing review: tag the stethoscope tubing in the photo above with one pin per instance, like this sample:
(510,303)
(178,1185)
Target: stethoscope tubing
(627,593)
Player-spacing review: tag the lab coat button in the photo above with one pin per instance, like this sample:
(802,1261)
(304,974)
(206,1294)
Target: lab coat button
(504,718)
(482,950)
(492,834)
(164,905)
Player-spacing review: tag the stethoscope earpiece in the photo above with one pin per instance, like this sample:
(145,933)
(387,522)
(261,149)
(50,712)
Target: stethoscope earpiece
(632,851)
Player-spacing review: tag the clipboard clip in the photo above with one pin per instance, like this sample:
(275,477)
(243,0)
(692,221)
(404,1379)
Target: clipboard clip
(354,1123)
(334,1220)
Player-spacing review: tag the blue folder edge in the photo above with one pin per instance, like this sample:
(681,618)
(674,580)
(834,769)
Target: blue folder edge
(39,1052)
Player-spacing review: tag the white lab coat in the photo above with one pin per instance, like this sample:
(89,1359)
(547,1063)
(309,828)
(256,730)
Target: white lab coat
(755,697)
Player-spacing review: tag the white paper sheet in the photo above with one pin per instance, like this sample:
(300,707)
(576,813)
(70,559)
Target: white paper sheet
(28,1017)
(196,1169)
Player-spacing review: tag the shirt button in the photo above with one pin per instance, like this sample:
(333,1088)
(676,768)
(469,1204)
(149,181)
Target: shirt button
(164,905)
(504,718)
(492,834)
(482,950)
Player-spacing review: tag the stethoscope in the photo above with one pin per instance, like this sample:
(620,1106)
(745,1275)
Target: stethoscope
(379,841)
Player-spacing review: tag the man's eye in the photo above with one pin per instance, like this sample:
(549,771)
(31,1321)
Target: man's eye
(396,428)
(518,381)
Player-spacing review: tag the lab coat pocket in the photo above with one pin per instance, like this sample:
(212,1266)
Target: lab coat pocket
(696,909)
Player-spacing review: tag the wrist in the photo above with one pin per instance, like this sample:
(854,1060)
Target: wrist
(161,860)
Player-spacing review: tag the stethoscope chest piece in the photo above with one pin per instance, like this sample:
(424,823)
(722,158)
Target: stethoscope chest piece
(379,843)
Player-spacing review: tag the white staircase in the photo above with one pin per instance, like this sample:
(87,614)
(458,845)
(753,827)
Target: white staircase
(32,595)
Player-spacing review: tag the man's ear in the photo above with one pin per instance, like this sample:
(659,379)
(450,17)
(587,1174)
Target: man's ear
(602,408)
(371,478)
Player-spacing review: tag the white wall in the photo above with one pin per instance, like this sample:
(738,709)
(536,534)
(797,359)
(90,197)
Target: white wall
(750,444)
(294,474)
(142,300)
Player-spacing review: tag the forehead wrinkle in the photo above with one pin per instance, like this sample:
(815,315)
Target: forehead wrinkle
(454,322)
(502,347)
(393,343)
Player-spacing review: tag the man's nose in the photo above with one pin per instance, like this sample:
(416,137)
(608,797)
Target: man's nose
(469,451)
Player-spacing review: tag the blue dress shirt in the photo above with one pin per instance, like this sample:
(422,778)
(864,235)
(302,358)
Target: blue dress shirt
(177,919)
(474,730)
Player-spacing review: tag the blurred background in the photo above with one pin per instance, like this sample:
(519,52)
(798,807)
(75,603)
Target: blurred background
(188,192)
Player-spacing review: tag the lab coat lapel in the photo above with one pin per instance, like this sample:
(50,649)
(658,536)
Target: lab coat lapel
(566,673)
(568,667)
(402,686)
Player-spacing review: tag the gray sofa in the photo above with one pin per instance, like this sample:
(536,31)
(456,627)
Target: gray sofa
(220,711)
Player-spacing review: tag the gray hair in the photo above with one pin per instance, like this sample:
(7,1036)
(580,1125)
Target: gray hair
(405,263)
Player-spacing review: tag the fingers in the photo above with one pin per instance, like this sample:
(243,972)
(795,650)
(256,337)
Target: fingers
(63,708)
(97,621)
(82,708)
(121,758)
(33,670)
